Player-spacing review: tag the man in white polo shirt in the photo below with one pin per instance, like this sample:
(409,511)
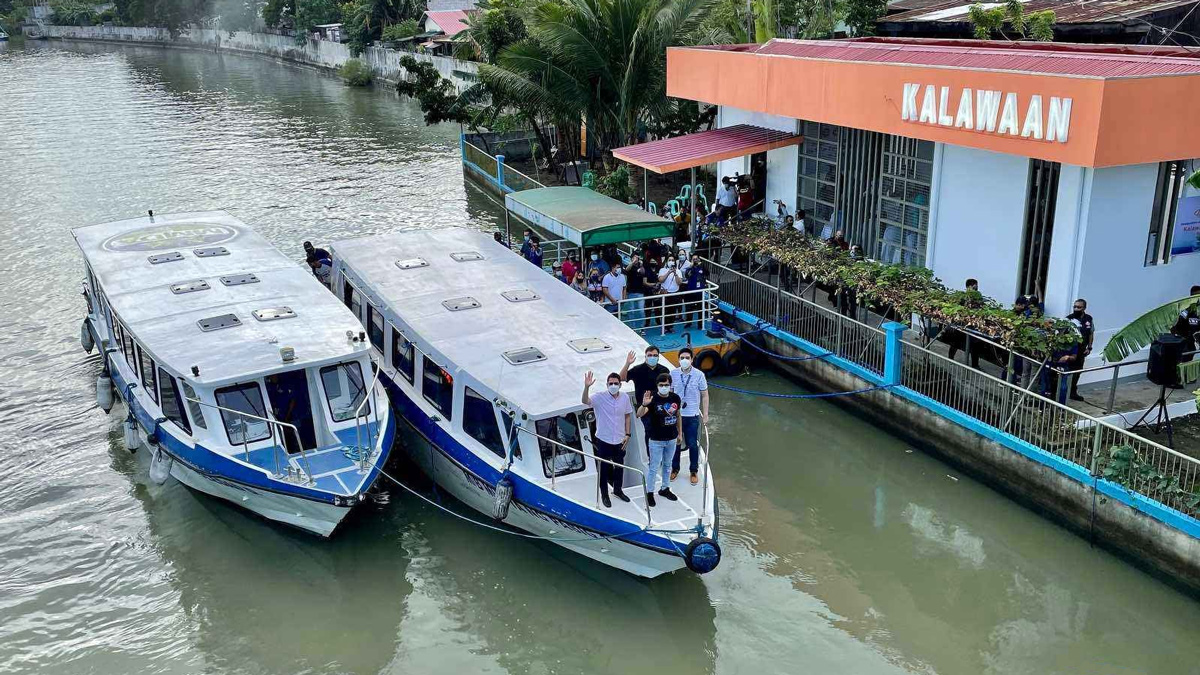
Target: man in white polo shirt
(692,387)
(614,415)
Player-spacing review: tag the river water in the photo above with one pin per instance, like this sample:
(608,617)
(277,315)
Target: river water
(845,550)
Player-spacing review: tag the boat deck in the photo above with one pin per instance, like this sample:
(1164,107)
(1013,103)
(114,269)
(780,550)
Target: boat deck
(332,468)
(666,514)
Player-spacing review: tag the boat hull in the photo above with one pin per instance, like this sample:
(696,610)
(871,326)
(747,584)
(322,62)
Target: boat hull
(440,461)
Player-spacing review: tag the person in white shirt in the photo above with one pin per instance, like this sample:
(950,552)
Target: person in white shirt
(726,199)
(614,288)
(668,282)
(799,223)
(692,387)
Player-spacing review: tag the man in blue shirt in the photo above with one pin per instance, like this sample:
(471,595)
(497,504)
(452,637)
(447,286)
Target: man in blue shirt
(534,253)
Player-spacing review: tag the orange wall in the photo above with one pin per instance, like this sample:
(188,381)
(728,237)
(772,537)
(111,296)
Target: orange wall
(1109,119)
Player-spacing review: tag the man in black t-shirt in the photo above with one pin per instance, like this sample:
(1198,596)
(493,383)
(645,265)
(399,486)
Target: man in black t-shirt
(1087,333)
(643,375)
(660,412)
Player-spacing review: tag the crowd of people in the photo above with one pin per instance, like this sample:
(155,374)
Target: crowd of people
(672,406)
(647,290)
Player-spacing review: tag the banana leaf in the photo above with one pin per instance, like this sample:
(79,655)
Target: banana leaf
(1142,330)
(1189,372)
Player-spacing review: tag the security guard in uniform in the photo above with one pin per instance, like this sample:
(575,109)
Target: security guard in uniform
(1188,324)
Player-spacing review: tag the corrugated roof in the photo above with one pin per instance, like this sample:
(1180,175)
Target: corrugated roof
(452,22)
(586,217)
(1048,59)
(1089,11)
(450,5)
(705,147)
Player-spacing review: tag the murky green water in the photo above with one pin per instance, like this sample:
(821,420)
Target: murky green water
(845,552)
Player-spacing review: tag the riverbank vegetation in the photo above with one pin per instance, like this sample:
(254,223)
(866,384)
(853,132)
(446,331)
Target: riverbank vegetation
(907,290)
(356,73)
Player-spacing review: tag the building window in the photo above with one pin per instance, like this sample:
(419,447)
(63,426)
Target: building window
(479,421)
(1171,178)
(818,177)
(438,387)
(403,355)
(906,175)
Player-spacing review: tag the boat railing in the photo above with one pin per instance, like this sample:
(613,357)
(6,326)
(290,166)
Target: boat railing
(705,478)
(554,465)
(273,426)
(668,310)
(362,422)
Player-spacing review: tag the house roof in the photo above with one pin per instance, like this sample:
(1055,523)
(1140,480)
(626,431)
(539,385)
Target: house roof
(705,147)
(451,22)
(450,5)
(1090,11)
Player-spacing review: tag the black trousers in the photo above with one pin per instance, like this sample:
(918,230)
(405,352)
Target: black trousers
(610,475)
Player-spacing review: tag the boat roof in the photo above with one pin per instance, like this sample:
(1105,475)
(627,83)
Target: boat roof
(476,339)
(217,249)
(585,217)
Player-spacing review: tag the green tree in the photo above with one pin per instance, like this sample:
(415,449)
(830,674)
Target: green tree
(72,13)
(364,19)
(603,61)
(862,15)
(311,13)
(278,13)
(989,22)
(402,30)
(496,25)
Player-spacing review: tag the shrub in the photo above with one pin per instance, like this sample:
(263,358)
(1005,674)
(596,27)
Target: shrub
(401,31)
(356,73)
(616,184)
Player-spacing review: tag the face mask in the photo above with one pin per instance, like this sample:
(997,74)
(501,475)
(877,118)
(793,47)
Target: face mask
(652,361)
(1077,313)
(685,362)
(663,391)
(616,271)
(614,389)
(595,257)
(671,264)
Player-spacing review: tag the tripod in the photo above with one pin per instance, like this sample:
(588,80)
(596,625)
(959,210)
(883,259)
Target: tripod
(1161,418)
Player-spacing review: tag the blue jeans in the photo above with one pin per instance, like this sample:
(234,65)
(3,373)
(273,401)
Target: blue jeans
(691,438)
(661,453)
(633,312)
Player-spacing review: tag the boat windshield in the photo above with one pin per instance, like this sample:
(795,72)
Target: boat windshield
(344,390)
(555,460)
(243,398)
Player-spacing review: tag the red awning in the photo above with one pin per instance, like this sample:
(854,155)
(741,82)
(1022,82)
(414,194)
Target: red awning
(705,147)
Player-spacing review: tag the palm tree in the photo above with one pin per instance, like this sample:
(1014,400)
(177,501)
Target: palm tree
(598,61)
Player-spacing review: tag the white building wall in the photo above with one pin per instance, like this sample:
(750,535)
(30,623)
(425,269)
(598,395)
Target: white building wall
(1111,275)
(977,217)
(782,164)
(1070,229)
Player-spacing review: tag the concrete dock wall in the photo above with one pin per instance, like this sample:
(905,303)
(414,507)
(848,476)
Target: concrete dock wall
(1125,523)
(319,53)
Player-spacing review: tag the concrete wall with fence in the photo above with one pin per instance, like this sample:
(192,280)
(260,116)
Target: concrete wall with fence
(1133,496)
(320,53)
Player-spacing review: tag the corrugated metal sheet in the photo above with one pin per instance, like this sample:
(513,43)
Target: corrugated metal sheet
(705,147)
(1089,11)
(1076,61)
(452,22)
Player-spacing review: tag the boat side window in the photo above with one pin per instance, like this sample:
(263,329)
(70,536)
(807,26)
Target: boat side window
(555,460)
(479,421)
(437,387)
(194,408)
(403,355)
(344,390)
(128,344)
(172,407)
(148,382)
(352,299)
(375,327)
(243,398)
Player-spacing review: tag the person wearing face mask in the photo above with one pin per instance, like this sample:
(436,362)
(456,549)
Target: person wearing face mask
(692,387)
(635,290)
(659,411)
(570,266)
(579,284)
(645,374)
(595,286)
(614,416)
(595,262)
(614,288)
(668,283)
(1087,332)
(526,243)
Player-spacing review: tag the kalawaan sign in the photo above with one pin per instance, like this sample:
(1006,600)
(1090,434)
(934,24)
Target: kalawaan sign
(1186,236)
(988,111)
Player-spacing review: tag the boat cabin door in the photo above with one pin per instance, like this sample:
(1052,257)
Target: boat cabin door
(288,393)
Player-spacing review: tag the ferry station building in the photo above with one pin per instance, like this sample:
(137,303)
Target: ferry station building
(1035,168)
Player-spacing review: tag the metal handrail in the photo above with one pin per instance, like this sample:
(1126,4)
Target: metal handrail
(358,425)
(271,424)
(554,469)
(704,497)
(705,305)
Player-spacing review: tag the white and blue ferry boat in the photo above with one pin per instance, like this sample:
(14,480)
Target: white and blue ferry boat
(484,356)
(241,376)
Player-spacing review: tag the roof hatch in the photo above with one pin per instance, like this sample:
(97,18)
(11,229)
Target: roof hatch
(411,263)
(218,322)
(160,258)
(189,286)
(210,252)
(466,256)
(520,295)
(459,304)
(589,345)
(239,279)
(524,355)
(274,313)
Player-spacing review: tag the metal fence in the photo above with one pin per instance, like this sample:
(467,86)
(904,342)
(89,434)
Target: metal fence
(516,180)
(1139,464)
(475,155)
